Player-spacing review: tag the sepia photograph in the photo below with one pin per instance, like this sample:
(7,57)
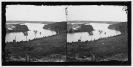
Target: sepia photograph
(97,33)
(35,33)
(92,33)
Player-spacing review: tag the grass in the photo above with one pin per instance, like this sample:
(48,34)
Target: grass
(53,47)
(99,50)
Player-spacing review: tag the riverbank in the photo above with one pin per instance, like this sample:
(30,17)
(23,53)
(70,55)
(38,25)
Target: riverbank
(49,49)
(58,27)
(122,27)
(113,48)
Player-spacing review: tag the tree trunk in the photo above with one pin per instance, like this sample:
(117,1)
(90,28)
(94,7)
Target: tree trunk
(35,36)
(91,37)
(27,58)
(26,38)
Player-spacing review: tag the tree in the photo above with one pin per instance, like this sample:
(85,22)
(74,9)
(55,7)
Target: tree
(21,28)
(122,27)
(25,34)
(59,27)
(86,28)
(100,32)
(91,34)
(35,31)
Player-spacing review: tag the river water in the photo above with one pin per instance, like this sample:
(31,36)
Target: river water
(29,35)
(84,36)
(71,37)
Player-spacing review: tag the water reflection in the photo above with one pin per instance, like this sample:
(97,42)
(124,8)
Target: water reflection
(36,31)
(101,31)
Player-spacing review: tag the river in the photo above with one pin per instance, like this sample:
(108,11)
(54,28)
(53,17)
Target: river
(71,37)
(29,35)
(84,36)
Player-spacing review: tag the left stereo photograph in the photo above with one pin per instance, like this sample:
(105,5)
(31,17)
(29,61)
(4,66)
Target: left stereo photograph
(35,33)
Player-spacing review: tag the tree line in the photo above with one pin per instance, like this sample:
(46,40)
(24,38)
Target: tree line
(122,27)
(58,27)
(18,28)
(82,28)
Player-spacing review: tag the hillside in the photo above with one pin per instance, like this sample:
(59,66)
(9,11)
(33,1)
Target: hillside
(59,27)
(106,49)
(122,27)
(48,49)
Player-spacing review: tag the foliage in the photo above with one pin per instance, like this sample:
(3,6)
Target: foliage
(69,27)
(82,28)
(59,27)
(18,28)
(122,27)
(86,28)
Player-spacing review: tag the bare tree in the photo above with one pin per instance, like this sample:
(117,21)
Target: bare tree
(100,32)
(35,31)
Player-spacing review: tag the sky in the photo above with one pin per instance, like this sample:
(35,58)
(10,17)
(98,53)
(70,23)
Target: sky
(57,13)
(97,13)
(35,13)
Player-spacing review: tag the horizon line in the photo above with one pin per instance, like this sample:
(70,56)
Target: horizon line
(66,21)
